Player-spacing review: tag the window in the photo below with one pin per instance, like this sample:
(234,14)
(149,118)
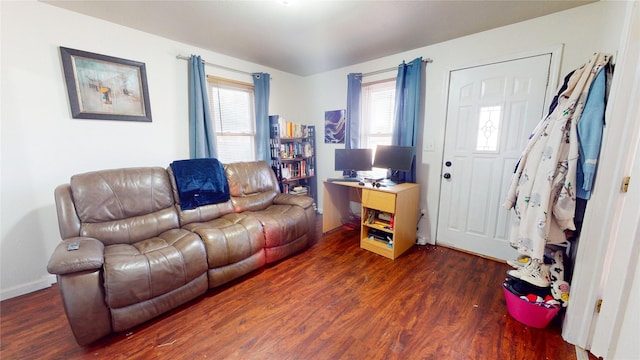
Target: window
(377,113)
(232,107)
(376,128)
(488,128)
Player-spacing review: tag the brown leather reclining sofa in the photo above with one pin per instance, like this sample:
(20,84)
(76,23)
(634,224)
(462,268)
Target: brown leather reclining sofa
(141,255)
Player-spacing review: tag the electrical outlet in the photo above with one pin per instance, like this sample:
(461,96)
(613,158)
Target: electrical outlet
(421,240)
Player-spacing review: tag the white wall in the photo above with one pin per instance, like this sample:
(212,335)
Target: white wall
(583,31)
(42,146)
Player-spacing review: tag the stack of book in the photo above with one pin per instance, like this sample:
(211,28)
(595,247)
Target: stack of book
(299,190)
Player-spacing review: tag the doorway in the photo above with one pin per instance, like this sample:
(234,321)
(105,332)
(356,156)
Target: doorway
(491,111)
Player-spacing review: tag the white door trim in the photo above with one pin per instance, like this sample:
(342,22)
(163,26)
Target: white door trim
(554,68)
(605,234)
(554,78)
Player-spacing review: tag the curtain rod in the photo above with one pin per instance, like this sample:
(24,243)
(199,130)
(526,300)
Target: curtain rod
(427,60)
(182,57)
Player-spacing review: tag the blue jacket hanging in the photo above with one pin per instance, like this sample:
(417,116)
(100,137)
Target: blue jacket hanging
(590,128)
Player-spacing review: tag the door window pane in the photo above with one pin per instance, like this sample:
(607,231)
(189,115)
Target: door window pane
(488,128)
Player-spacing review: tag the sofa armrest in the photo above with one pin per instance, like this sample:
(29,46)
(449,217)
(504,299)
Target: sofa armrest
(68,221)
(290,199)
(88,256)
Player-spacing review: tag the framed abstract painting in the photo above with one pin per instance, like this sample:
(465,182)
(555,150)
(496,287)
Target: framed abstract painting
(335,122)
(105,87)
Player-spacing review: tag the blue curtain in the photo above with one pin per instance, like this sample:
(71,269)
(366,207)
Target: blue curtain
(354,89)
(407,110)
(202,141)
(261,98)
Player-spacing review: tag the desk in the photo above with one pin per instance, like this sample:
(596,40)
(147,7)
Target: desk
(399,202)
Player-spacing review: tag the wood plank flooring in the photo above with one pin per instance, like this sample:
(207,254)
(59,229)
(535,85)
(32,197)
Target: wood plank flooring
(332,301)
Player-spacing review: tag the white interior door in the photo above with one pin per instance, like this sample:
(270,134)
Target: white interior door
(491,111)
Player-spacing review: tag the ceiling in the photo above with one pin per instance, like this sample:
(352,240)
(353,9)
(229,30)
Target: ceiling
(313,36)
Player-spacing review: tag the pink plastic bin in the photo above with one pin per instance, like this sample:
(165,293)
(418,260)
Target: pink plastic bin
(529,314)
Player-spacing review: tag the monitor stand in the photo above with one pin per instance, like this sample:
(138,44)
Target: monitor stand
(347,176)
(350,174)
(393,177)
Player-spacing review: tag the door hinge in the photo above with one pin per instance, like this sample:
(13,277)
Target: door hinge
(598,305)
(625,183)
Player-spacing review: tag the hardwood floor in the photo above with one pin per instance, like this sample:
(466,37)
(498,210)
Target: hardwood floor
(332,301)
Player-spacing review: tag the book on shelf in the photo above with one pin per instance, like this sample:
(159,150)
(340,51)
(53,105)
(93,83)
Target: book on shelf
(293,156)
(290,129)
(295,150)
(285,172)
(295,169)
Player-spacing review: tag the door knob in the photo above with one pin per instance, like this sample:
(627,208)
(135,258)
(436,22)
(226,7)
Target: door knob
(447,176)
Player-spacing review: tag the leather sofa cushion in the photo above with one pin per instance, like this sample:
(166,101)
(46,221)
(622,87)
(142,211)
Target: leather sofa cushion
(124,205)
(128,231)
(282,224)
(252,185)
(230,239)
(297,200)
(146,269)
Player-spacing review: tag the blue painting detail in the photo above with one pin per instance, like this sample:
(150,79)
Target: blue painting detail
(335,122)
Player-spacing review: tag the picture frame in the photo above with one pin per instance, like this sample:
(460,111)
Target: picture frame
(335,123)
(105,87)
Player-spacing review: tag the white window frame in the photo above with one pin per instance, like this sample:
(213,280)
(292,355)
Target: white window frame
(370,136)
(230,143)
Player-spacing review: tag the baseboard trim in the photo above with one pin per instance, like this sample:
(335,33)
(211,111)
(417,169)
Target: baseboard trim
(471,253)
(23,289)
(581,354)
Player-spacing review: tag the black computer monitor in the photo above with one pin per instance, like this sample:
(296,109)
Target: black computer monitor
(350,161)
(393,158)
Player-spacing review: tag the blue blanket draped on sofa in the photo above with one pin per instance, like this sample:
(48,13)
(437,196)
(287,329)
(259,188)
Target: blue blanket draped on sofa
(200,182)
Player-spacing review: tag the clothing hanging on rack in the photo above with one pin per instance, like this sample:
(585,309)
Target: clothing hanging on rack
(542,192)
(590,128)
